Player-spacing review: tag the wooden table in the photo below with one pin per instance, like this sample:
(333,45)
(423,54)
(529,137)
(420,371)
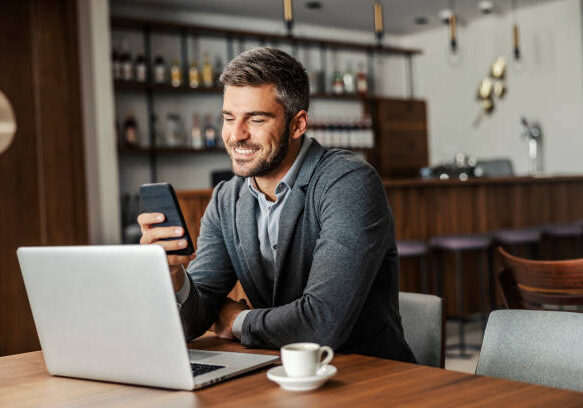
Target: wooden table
(361,381)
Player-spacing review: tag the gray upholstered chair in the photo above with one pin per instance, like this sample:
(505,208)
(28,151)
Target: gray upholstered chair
(424,327)
(538,347)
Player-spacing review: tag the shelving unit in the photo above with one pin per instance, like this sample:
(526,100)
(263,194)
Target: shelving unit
(147,28)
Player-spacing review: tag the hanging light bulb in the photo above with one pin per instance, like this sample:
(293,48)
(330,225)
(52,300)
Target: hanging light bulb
(452,28)
(449,18)
(379,29)
(288,16)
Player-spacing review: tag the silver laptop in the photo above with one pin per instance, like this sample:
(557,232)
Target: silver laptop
(109,313)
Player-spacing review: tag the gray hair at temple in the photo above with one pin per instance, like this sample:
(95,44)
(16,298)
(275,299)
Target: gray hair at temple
(265,65)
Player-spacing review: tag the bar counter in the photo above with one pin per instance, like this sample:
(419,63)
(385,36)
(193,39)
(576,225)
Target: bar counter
(426,208)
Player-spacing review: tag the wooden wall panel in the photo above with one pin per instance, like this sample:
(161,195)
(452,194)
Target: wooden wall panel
(42,178)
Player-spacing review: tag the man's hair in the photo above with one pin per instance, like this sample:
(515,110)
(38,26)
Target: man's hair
(265,65)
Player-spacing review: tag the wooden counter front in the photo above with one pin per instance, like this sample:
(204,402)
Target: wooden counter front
(426,208)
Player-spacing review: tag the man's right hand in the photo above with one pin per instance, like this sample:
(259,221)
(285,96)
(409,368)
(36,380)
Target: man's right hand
(153,235)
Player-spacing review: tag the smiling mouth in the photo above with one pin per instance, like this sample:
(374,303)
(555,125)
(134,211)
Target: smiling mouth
(239,150)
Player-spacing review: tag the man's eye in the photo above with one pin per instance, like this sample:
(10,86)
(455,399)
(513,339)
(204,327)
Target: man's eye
(257,120)
(228,119)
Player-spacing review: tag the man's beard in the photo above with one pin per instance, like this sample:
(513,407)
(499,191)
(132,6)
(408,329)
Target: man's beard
(266,164)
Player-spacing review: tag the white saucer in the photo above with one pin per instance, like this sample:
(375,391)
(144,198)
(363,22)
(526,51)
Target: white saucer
(278,375)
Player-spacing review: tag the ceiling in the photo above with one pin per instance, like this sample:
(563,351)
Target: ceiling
(399,15)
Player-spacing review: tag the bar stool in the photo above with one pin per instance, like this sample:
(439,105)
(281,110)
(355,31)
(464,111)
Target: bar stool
(457,244)
(562,232)
(416,249)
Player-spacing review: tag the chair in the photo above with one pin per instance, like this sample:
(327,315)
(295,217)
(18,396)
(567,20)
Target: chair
(424,326)
(527,284)
(537,347)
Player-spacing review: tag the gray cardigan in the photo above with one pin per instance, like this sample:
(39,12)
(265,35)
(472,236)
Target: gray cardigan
(336,280)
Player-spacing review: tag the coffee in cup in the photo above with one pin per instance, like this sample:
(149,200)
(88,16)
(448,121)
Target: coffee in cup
(304,359)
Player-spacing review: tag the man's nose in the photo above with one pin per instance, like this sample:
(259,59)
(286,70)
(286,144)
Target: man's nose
(239,132)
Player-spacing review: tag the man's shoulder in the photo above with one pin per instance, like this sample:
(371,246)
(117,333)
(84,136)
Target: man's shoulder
(336,163)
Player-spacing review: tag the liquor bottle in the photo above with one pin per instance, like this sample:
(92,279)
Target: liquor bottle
(175,74)
(337,83)
(361,80)
(173,130)
(196,139)
(141,68)
(159,69)
(116,62)
(126,62)
(207,71)
(193,75)
(348,80)
(130,130)
(210,132)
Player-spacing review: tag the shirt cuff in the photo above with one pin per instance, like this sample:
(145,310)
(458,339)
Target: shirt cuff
(184,291)
(238,324)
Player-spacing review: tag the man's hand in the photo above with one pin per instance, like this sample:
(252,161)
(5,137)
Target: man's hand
(223,327)
(153,235)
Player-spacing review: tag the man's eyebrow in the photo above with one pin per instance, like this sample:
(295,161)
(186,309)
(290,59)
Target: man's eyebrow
(260,113)
(253,113)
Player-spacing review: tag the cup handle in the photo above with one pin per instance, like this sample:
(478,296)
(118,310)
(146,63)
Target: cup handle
(329,356)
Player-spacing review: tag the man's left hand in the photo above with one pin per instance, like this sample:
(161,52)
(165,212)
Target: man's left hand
(223,327)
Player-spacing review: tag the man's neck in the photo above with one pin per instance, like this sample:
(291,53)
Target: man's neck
(268,183)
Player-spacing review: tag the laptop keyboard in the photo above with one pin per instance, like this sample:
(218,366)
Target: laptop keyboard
(200,369)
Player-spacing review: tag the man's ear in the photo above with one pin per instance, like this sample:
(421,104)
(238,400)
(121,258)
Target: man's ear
(298,125)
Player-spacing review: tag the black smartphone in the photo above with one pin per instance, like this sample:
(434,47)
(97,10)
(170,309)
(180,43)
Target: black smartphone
(161,198)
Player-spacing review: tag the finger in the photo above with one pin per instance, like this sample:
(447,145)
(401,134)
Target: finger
(172,245)
(147,219)
(165,232)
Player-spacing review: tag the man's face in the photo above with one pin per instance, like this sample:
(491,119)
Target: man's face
(255,131)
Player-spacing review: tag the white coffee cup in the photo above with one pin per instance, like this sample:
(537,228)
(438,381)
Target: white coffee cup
(304,359)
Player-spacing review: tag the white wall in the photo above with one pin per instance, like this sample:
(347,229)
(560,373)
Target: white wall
(548,89)
(98,123)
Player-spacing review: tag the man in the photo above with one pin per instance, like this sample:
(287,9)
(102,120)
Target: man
(307,231)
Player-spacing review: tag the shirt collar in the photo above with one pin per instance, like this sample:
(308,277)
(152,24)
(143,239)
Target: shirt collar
(290,177)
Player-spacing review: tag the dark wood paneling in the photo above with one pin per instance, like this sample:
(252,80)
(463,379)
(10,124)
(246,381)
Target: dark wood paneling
(423,209)
(401,129)
(42,178)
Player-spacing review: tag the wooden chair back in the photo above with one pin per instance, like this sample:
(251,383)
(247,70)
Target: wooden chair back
(528,284)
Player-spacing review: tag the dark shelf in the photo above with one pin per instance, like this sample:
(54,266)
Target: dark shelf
(189,150)
(159,26)
(121,85)
(160,149)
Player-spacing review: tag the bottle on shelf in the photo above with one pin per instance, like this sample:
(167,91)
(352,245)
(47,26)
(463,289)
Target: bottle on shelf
(141,68)
(348,80)
(130,130)
(210,132)
(196,137)
(127,68)
(116,61)
(175,74)
(337,83)
(193,75)
(361,80)
(174,130)
(207,71)
(159,69)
